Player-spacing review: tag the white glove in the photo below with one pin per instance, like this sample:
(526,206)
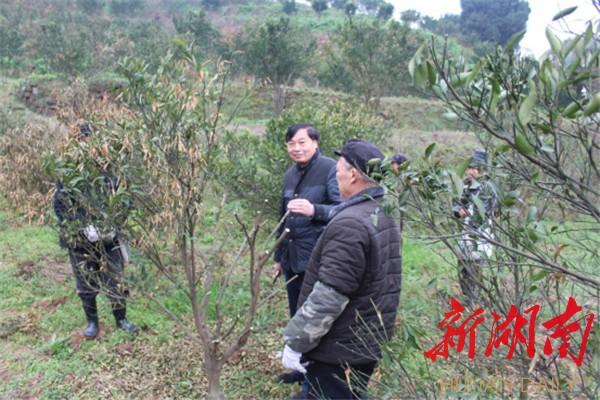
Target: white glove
(91,233)
(291,359)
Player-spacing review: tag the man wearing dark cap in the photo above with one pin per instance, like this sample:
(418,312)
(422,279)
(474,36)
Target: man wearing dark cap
(397,160)
(351,288)
(95,250)
(474,250)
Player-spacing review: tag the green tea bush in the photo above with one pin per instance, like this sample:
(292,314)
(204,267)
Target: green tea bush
(257,164)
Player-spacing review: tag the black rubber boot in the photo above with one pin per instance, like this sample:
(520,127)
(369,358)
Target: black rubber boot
(122,323)
(91,313)
(92,330)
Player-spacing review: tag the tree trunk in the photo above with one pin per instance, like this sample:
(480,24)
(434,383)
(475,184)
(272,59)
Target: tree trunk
(278,98)
(213,374)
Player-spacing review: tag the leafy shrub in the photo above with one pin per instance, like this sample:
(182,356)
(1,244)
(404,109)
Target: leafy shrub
(196,24)
(11,39)
(90,6)
(65,45)
(150,42)
(126,7)
(257,164)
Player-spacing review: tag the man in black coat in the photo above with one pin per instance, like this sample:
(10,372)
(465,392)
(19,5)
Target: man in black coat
(95,251)
(351,290)
(309,193)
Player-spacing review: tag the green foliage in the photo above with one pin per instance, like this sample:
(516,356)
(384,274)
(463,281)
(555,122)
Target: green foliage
(11,40)
(91,188)
(91,6)
(110,82)
(288,6)
(385,12)
(448,24)
(275,51)
(319,6)
(212,4)
(370,59)
(126,7)
(150,42)
(494,21)
(195,23)
(65,45)
(544,165)
(451,25)
(257,164)
(410,16)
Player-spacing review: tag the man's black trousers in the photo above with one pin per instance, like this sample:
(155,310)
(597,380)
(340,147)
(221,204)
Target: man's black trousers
(293,290)
(327,381)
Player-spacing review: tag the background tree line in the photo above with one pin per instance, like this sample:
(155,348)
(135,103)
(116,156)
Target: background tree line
(359,50)
(178,135)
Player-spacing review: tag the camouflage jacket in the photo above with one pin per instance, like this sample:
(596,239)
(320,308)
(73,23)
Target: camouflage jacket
(480,200)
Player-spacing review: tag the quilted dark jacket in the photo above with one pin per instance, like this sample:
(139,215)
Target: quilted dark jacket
(358,255)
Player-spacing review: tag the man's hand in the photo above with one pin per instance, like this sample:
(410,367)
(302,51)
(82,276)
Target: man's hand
(291,359)
(462,212)
(301,206)
(277,270)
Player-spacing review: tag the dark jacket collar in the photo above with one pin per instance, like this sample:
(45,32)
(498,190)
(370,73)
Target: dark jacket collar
(310,162)
(364,195)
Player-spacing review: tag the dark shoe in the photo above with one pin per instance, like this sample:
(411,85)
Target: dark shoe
(92,330)
(302,394)
(291,377)
(126,326)
(298,396)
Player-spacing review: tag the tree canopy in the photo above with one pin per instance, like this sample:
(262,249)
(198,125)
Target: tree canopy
(494,21)
(275,52)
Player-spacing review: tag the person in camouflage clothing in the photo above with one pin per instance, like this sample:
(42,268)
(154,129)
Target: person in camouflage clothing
(477,209)
(96,252)
(351,290)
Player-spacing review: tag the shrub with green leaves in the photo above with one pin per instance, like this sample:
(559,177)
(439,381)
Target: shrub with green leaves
(65,45)
(90,6)
(126,7)
(540,130)
(257,164)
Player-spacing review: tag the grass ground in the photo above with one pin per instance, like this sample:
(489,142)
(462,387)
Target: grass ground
(43,354)
(42,351)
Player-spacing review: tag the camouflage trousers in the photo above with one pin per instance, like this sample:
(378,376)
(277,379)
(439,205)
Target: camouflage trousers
(99,269)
